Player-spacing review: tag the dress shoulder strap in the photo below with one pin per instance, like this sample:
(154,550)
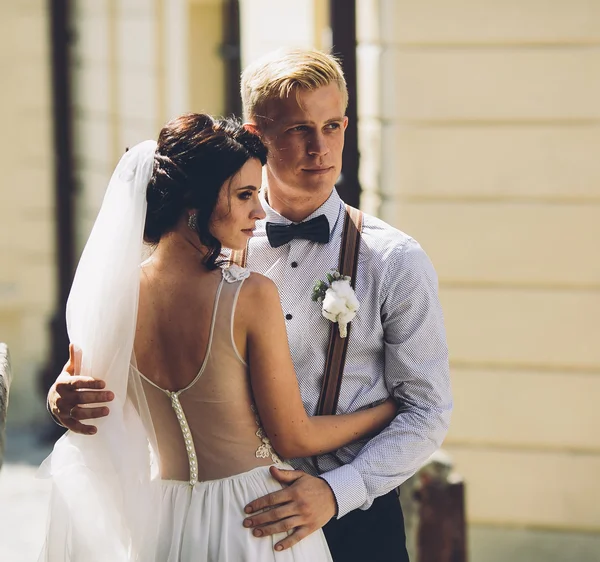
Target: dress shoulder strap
(224,343)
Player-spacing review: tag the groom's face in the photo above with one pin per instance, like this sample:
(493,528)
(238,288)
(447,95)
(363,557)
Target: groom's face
(305,137)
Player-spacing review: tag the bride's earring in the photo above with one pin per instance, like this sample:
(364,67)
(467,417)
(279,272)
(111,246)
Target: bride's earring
(193,222)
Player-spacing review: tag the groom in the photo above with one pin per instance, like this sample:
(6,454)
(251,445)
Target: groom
(296,102)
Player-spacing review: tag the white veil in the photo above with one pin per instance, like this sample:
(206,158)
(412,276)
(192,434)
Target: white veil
(103,495)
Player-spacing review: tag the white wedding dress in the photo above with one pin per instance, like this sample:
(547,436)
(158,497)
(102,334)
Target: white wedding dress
(167,476)
(214,456)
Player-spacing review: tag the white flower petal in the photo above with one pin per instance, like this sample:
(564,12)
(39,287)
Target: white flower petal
(346,317)
(352,303)
(333,303)
(329,315)
(342,289)
(340,303)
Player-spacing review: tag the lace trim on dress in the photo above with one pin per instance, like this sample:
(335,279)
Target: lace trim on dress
(265,450)
(235,273)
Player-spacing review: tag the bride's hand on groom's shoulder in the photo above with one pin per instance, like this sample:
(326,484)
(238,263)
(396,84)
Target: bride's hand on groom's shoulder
(71,393)
(305,504)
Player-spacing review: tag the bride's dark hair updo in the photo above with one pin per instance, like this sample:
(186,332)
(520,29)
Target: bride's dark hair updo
(195,156)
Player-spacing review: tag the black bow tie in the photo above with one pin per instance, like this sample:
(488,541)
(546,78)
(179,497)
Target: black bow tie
(316,229)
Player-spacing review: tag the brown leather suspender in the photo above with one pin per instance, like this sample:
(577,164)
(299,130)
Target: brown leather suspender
(336,353)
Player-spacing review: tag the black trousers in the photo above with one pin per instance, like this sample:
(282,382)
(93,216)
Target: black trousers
(374,535)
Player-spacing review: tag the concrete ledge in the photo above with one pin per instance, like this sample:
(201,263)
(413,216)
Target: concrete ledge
(5,380)
(497,544)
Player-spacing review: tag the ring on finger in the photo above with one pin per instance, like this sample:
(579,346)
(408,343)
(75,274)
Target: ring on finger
(71,412)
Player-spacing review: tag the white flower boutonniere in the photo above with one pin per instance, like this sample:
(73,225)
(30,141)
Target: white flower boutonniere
(338,298)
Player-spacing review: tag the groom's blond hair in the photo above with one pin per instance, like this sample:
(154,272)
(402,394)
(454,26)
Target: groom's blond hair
(283,73)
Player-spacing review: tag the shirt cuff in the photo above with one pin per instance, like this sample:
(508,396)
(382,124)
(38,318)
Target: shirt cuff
(348,488)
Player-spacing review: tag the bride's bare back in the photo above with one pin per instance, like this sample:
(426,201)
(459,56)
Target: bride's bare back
(175,309)
(196,379)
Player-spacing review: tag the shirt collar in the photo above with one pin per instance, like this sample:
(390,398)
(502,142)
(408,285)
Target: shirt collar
(331,209)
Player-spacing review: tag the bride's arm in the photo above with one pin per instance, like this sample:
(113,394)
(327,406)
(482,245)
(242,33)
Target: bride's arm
(292,432)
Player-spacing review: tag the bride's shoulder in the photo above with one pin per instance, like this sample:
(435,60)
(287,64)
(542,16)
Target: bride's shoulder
(255,284)
(257,290)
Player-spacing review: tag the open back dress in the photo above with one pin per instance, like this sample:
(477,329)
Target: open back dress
(214,455)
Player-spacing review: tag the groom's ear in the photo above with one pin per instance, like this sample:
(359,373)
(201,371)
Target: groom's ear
(252,128)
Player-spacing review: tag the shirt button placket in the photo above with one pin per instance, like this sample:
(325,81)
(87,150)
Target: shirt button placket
(294,265)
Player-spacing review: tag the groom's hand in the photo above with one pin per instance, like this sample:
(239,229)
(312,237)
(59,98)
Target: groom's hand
(71,391)
(303,506)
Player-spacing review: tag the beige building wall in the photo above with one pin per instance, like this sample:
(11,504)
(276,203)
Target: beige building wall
(267,25)
(205,65)
(121,88)
(27,253)
(480,125)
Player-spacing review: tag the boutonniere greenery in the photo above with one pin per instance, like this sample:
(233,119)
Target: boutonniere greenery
(339,302)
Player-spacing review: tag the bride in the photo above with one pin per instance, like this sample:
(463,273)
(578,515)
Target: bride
(206,397)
